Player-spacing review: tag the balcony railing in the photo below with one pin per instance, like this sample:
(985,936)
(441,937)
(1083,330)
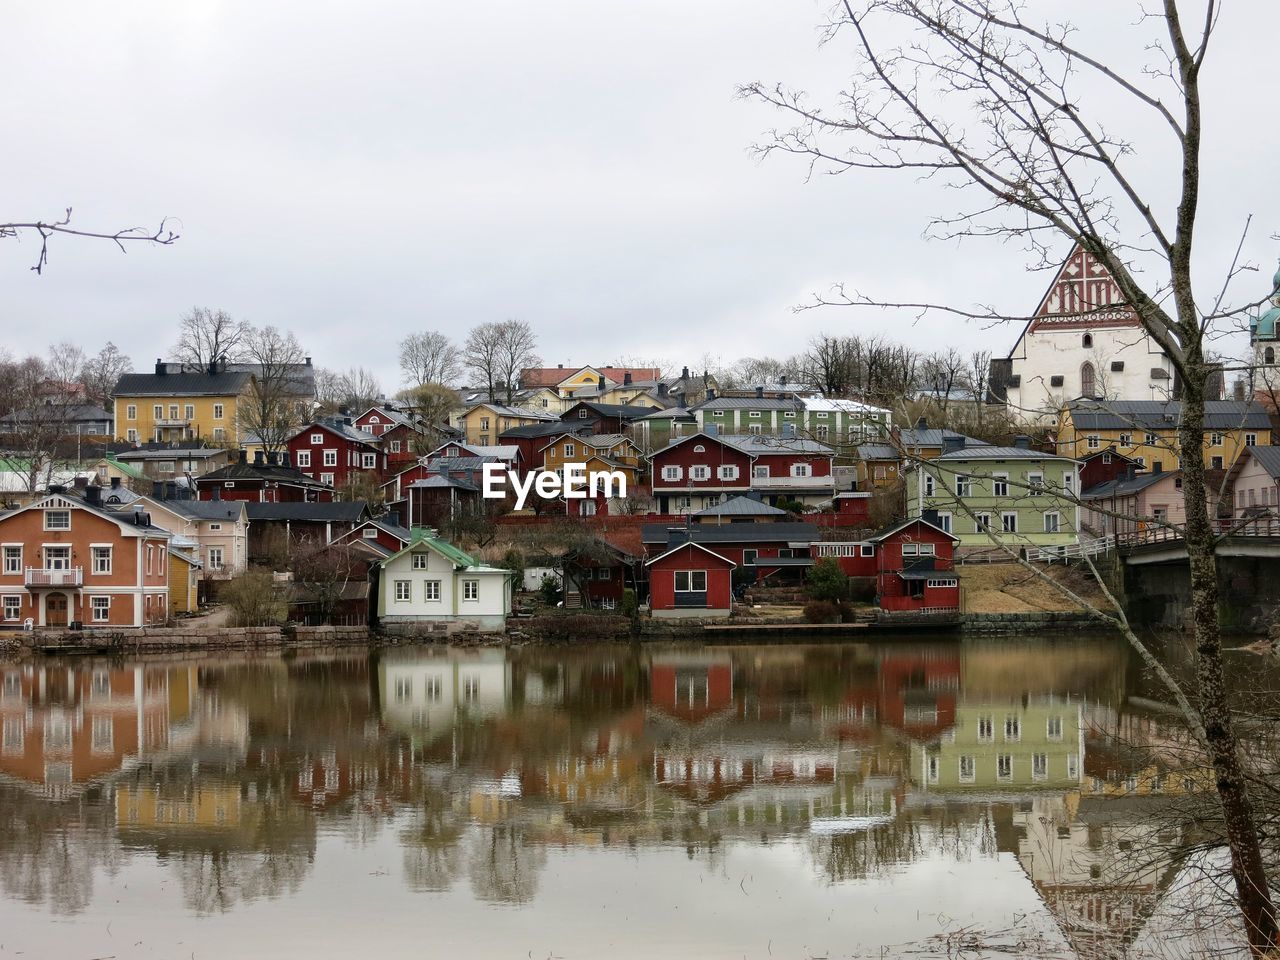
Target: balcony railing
(792,483)
(68,577)
(173,422)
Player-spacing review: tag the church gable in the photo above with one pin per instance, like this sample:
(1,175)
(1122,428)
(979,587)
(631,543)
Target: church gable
(1083,294)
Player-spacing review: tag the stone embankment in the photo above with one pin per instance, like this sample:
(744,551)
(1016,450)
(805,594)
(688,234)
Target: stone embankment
(1030,624)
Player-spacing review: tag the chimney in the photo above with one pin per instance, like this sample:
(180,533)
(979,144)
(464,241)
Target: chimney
(1022,442)
(286,459)
(259,458)
(244,456)
(93,495)
(80,483)
(273,459)
(393,518)
(626,379)
(161,370)
(760,393)
(711,393)
(922,424)
(680,401)
(217,492)
(782,381)
(662,390)
(307,362)
(559,366)
(952,442)
(1129,471)
(213,366)
(684,373)
(115,483)
(600,384)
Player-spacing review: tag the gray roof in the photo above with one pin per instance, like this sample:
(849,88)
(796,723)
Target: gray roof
(306,511)
(989,451)
(742,507)
(300,377)
(187,383)
(450,464)
(1124,486)
(933,437)
(750,403)
(533,430)
(170,453)
(344,430)
(203,509)
(657,533)
(623,410)
(57,413)
(878,451)
(441,482)
(249,471)
(756,445)
(671,413)
(1165,415)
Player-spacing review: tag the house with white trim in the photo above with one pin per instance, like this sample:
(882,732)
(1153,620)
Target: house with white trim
(432,586)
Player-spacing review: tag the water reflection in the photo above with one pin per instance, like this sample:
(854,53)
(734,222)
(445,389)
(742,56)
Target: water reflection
(485,765)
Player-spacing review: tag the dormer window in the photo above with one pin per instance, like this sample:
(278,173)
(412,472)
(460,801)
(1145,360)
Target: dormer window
(699,449)
(582,414)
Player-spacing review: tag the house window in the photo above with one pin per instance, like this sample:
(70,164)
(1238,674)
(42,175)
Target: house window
(1250,439)
(369,460)
(164,466)
(1012,727)
(986,728)
(331,458)
(57,519)
(470,589)
(12,608)
(131,412)
(420,561)
(1009,521)
(433,689)
(968,769)
(1051,522)
(568,450)
(760,472)
(1000,485)
(699,472)
(749,557)
(604,573)
(1215,463)
(101,607)
(800,469)
(1088,380)
(1106,458)
(582,414)
(821,430)
(934,768)
(1125,439)
(1004,766)
(395,446)
(1035,484)
(157,412)
(587,508)
(754,414)
(189,412)
(1073,766)
(148,559)
(729,472)
(691,581)
(981,522)
(13,559)
(1150,439)
(1093,441)
(962,486)
(370,533)
(403,591)
(430,589)
(327,478)
(215,558)
(218,411)
(317,438)
(1053,728)
(302,458)
(754,429)
(219,434)
(101,560)
(1215,439)
(1086,341)
(173,411)
(928,485)
(671,473)
(131,435)
(944,522)
(867,549)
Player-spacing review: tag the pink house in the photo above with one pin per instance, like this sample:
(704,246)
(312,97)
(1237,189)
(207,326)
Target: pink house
(1254,482)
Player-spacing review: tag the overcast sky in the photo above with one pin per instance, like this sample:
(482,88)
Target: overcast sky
(356,171)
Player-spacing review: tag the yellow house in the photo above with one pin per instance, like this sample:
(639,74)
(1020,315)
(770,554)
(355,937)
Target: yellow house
(610,451)
(485,422)
(177,403)
(184,578)
(1147,430)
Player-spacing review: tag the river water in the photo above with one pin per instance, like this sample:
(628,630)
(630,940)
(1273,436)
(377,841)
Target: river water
(788,801)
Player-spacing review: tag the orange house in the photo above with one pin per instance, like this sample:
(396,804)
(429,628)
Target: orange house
(66,559)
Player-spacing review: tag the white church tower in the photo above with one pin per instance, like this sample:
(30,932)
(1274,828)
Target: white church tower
(1083,340)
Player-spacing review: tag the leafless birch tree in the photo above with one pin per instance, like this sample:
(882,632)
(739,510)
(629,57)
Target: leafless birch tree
(1014,114)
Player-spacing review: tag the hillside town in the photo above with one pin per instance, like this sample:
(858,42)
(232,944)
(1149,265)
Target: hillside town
(136,497)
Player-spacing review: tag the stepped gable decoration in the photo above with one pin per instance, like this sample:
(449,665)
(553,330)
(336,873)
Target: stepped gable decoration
(1083,294)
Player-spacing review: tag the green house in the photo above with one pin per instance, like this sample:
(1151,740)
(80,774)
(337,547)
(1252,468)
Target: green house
(1015,496)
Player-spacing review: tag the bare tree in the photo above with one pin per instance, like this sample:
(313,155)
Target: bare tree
(359,388)
(942,375)
(429,357)
(1032,147)
(205,335)
(517,348)
(323,572)
(276,410)
(431,404)
(482,356)
(38,396)
(100,373)
(46,229)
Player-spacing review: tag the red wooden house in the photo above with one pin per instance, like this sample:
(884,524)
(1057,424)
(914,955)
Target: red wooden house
(773,551)
(602,418)
(1103,466)
(691,687)
(597,577)
(690,580)
(916,568)
(378,420)
(384,534)
(335,453)
(268,479)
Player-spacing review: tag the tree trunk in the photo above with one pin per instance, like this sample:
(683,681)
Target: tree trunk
(1247,869)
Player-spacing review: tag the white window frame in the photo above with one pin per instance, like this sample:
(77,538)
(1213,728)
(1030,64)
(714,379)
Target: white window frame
(402,591)
(699,472)
(866,549)
(431,591)
(1054,518)
(302,458)
(11,601)
(317,439)
(216,558)
(999,484)
(369,461)
(928,484)
(1008,521)
(690,577)
(972,774)
(728,471)
(219,411)
(12,558)
(470,591)
(94,555)
(801,470)
(330,458)
(420,561)
(944,521)
(58,512)
(99,609)
(672,472)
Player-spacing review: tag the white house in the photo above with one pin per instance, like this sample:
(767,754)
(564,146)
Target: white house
(1082,341)
(433,585)
(426,689)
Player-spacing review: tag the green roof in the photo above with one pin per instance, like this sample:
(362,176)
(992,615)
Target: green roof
(128,469)
(423,538)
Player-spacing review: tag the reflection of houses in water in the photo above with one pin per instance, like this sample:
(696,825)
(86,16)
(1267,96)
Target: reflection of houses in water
(198,806)
(691,687)
(918,690)
(424,691)
(65,727)
(997,746)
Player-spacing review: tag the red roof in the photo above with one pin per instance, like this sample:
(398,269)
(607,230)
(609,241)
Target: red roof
(550,376)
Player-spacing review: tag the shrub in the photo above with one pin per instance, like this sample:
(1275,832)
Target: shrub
(827,581)
(550,590)
(628,607)
(513,560)
(254,600)
(846,611)
(821,611)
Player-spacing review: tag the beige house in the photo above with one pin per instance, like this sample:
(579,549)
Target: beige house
(1254,483)
(485,422)
(219,527)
